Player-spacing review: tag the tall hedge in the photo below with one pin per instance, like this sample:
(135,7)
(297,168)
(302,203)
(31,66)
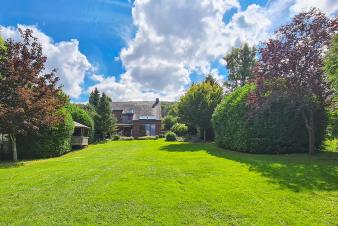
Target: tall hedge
(49,142)
(278,129)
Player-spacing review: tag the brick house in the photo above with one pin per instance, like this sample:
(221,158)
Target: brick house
(138,118)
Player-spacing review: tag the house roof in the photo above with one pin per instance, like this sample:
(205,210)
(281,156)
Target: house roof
(79,125)
(140,109)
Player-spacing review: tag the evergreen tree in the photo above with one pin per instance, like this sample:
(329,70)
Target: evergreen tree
(105,120)
(94,98)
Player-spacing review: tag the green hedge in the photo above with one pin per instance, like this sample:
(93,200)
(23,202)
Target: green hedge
(278,129)
(50,142)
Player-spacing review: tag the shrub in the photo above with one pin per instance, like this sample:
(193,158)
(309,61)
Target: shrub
(180,129)
(278,129)
(115,137)
(82,116)
(161,135)
(170,136)
(50,142)
(168,122)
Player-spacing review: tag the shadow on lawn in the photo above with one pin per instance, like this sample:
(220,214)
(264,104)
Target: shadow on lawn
(292,171)
(7,165)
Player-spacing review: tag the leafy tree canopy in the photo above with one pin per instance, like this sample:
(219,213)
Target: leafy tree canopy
(291,67)
(29,97)
(240,62)
(197,105)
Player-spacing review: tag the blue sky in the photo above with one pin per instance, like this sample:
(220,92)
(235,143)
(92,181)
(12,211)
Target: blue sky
(156,51)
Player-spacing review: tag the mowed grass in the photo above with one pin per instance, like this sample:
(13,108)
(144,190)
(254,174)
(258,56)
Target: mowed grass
(163,183)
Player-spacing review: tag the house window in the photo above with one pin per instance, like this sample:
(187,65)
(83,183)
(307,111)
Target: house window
(150,129)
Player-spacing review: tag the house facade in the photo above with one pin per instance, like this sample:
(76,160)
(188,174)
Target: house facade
(138,118)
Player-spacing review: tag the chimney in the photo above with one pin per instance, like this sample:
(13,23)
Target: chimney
(156,102)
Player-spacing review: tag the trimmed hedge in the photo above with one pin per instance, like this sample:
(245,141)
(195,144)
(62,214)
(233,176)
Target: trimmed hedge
(276,130)
(50,142)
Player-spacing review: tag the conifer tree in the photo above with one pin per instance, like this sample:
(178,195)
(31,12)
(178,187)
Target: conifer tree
(106,120)
(94,98)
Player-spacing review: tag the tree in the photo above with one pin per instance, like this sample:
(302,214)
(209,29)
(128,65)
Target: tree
(331,69)
(29,97)
(240,62)
(180,129)
(106,120)
(197,105)
(94,98)
(168,122)
(291,67)
(331,65)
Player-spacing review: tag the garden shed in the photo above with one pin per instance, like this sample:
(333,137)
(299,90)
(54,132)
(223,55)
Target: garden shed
(80,135)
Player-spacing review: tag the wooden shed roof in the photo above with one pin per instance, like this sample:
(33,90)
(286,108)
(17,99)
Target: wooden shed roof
(79,125)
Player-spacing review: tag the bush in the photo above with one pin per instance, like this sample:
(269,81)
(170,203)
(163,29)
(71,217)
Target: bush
(180,129)
(147,138)
(276,130)
(170,136)
(115,137)
(82,116)
(50,142)
(168,122)
(161,135)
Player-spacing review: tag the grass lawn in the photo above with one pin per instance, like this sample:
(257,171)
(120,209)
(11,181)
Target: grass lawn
(162,183)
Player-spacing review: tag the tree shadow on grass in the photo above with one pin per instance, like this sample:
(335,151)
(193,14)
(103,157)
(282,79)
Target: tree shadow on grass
(293,171)
(7,165)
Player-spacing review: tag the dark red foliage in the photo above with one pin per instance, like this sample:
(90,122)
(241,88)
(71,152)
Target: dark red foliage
(291,67)
(293,59)
(29,97)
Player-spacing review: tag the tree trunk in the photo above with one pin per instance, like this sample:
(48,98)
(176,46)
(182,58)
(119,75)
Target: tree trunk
(204,136)
(12,137)
(311,141)
(309,123)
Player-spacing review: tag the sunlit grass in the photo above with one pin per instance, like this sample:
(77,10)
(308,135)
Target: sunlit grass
(163,183)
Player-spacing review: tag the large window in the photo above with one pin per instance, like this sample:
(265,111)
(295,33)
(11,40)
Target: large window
(150,129)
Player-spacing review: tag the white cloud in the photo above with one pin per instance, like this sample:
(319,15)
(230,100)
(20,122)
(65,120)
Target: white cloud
(176,38)
(219,78)
(327,6)
(173,39)
(96,77)
(65,56)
